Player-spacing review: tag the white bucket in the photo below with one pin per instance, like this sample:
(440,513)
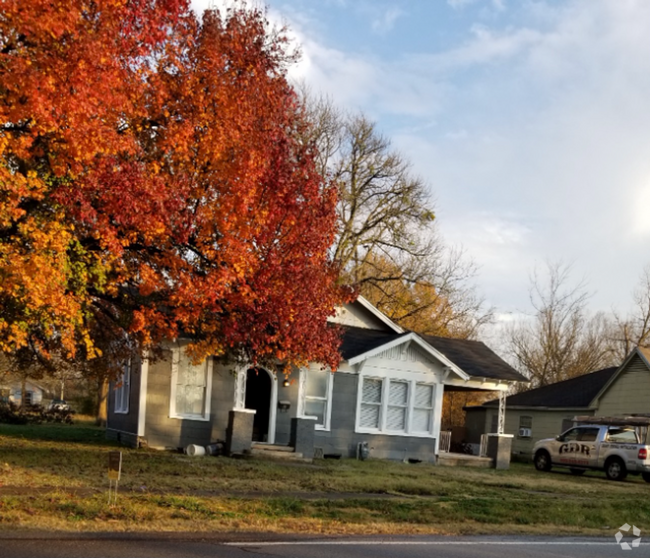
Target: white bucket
(194,450)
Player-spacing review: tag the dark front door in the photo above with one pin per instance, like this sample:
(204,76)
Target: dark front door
(258,397)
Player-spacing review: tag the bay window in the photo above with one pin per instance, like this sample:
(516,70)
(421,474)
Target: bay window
(395,406)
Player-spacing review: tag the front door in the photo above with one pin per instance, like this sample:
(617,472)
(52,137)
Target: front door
(258,398)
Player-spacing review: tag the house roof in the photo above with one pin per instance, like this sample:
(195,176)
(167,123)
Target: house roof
(574,392)
(642,352)
(379,314)
(475,358)
(468,358)
(357,340)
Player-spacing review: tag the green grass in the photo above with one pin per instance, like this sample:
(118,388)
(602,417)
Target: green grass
(54,477)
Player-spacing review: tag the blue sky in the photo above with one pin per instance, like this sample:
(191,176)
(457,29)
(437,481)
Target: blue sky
(529,121)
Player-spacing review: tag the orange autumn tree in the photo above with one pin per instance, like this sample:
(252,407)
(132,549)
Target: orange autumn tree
(153,183)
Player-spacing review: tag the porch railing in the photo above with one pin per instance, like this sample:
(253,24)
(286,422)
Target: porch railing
(445,442)
(482,452)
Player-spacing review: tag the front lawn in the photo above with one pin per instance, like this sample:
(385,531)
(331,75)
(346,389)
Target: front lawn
(54,477)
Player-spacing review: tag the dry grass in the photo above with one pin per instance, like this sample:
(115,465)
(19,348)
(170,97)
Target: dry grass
(54,478)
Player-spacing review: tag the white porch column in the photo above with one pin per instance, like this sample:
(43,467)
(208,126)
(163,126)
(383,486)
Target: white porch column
(240,389)
(438,392)
(302,391)
(501,424)
(273,407)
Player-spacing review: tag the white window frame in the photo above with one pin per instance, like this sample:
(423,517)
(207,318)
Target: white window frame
(387,404)
(430,409)
(383,406)
(327,415)
(176,355)
(122,391)
(360,402)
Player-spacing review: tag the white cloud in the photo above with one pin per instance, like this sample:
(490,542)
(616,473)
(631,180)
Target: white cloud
(534,137)
(498,5)
(383,23)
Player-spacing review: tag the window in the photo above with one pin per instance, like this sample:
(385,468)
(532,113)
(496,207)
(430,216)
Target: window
(396,406)
(190,389)
(423,408)
(318,390)
(622,435)
(525,426)
(588,434)
(122,390)
(370,403)
(570,436)
(566,424)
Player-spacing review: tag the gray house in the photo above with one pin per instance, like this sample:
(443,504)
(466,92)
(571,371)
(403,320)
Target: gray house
(548,411)
(387,392)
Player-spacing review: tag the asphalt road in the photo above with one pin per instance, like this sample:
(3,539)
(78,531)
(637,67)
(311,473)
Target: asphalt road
(22,545)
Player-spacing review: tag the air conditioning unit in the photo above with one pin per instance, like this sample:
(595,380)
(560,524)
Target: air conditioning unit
(525,432)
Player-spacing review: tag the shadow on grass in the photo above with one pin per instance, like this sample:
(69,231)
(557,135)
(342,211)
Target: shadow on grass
(81,433)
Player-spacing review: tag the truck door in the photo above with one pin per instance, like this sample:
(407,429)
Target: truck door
(564,447)
(577,447)
(588,451)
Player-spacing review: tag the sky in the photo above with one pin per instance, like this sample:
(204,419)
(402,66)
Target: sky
(528,120)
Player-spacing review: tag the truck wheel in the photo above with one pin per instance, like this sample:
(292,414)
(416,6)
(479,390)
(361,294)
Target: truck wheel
(577,472)
(646,476)
(615,469)
(542,461)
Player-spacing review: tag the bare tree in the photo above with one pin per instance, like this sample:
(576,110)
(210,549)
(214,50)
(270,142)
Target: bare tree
(634,329)
(388,245)
(561,340)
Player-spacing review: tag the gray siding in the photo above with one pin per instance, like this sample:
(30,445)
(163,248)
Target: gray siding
(630,392)
(164,432)
(120,422)
(342,439)
(283,418)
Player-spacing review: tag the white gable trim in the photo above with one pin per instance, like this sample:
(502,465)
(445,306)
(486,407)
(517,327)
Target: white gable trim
(406,340)
(480,382)
(379,315)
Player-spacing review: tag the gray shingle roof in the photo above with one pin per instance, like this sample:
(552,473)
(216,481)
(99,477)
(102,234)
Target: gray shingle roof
(473,357)
(358,340)
(575,392)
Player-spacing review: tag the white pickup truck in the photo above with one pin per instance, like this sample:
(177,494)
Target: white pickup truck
(617,450)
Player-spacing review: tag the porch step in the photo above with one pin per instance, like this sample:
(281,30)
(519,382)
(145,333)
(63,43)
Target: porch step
(463,460)
(271,447)
(279,453)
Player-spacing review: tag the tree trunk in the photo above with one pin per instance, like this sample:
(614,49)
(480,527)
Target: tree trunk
(102,406)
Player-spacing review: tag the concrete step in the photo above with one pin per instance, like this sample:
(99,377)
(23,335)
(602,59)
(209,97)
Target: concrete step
(271,447)
(460,460)
(278,455)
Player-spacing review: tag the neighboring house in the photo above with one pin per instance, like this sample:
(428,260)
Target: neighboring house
(33,392)
(548,411)
(387,392)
